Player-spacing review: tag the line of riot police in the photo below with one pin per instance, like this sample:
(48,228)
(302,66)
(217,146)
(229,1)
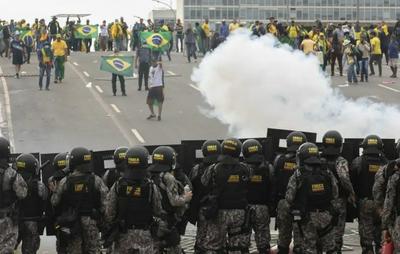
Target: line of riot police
(138,207)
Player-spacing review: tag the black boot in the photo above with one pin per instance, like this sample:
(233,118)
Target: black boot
(283,250)
(395,72)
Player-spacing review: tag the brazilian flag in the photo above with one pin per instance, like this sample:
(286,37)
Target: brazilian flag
(26,36)
(120,65)
(156,41)
(86,31)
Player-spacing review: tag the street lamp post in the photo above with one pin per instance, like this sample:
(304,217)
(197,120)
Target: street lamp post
(169,7)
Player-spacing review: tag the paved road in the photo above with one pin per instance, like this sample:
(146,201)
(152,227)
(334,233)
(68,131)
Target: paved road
(82,111)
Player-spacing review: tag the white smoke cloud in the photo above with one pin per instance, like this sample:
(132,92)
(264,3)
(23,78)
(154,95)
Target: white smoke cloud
(253,85)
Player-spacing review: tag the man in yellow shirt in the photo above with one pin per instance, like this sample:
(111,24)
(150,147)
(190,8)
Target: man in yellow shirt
(116,34)
(60,50)
(233,26)
(206,35)
(307,45)
(272,26)
(376,54)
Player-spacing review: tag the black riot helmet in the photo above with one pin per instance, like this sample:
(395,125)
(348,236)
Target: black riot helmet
(372,145)
(332,143)
(4,149)
(211,149)
(163,158)
(119,155)
(294,140)
(79,156)
(27,164)
(252,151)
(231,147)
(60,161)
(308,154)
(137,161)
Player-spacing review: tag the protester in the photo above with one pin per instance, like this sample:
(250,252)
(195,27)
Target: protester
(233,26)
(376,54)
(336,53)
(60,52)
(143,57)
(307,45)
(190,41)
(103,36)
(17,49)
(223,31)
(117,35)
(45,59)
(393,56)
(120,77)
(364,47)
(88,41)
(206,36)
(179,35)
(54,28)
(351,61)
(156,92)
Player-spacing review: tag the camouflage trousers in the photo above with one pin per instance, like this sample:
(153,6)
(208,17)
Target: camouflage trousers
(230,225)
(166,236)
(369,224)
(88,241)
(395,234)
(259,222)
(341,204)
(140,241)
(207,236)
(29,234)
(317,221)
(8,236)
(286,227)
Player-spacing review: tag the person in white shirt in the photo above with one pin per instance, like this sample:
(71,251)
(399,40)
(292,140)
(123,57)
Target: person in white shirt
(103,36)
(156,89)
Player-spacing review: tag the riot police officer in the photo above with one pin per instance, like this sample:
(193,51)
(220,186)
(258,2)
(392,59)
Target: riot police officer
(12,188)
(211,149)
(31,208)
(132,202)
(362,175)
(164,161)
(229,179)
(82,198)
(332,143)
(284,167)
(112,175)
(60,170)
(259,193)
(311,193)
(391,209)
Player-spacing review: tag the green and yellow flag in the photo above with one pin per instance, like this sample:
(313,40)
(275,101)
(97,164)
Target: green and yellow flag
(156,41)
(86,31)
(120,65)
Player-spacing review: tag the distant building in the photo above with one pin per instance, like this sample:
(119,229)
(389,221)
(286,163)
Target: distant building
(303,11)
(167,15)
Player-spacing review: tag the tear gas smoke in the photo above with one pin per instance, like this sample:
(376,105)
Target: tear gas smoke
(255,84)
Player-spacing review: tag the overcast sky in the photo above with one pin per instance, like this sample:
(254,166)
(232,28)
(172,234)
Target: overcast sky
(100,10)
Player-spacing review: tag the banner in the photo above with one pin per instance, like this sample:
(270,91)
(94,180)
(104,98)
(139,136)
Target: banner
(156,41)
(120,65)
(86,31)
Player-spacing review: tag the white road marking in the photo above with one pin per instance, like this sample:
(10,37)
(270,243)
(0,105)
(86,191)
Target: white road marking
(86,74)
(126,133)
(75,63)
(345,85)
(194,87)
(8,111)
(171,73)
(138,136)
(89,85)
(99,89)
(135,75)
(23,72)
(95,61)
(116,109)
(389,88)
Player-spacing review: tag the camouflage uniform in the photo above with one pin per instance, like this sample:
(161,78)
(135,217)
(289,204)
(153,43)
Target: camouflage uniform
(169,186)
(390,218)
(133,239)
(345,190)
(315,220)
(369,217)
(14,184)
(29,230)
(90,232)
(229,221)
(111,176)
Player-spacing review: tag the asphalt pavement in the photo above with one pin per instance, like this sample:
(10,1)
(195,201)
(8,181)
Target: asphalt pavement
(82,111)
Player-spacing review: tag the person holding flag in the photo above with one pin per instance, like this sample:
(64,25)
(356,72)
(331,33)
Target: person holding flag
(29,43)
(17,49)
(120,77)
